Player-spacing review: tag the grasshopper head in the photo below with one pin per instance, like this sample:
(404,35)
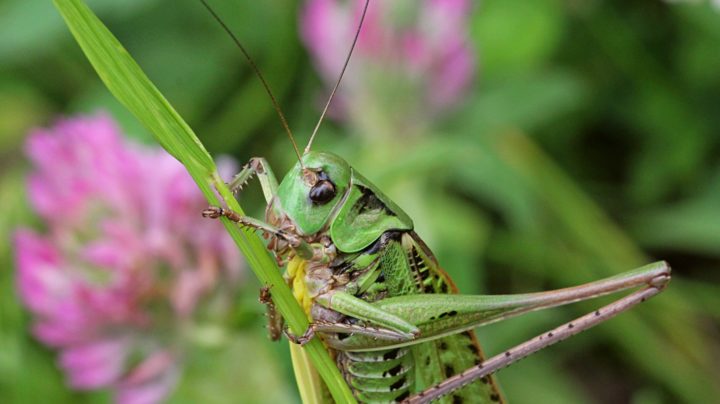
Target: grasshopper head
(309,195)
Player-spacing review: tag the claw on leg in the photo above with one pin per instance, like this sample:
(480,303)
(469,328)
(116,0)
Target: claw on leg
(265,297)
(301,339)
(215,212)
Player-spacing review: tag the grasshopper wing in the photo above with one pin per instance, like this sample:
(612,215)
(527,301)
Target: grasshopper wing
(444,357)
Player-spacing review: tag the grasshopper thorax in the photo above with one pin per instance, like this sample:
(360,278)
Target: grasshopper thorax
(323,196)
(312,190)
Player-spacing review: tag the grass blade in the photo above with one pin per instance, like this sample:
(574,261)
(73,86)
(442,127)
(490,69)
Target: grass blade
(127,82)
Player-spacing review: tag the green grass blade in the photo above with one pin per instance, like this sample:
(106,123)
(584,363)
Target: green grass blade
(127,82)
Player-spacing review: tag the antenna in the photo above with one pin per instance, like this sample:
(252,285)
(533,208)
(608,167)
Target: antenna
(342,72)
(260,76)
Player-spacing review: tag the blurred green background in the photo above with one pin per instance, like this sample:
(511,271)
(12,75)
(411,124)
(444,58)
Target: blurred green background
(589,145)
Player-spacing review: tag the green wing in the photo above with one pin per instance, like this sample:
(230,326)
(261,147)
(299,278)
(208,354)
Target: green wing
(439,359)
(364,216)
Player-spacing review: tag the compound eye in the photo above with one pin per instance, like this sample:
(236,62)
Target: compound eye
(322,192)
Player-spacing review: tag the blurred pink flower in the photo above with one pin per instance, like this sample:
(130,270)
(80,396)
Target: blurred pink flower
(413,56)
(125,261)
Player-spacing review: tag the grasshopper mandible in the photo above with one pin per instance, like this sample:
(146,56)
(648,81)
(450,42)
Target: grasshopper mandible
(377,296)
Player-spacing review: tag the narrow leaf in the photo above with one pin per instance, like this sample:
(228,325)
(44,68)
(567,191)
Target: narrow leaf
(127,82)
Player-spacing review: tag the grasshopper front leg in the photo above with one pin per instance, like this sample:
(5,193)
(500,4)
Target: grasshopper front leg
(257,166)
(302,248)
(260,168)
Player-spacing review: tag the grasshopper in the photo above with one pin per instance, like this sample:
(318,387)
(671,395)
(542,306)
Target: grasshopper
(376,295)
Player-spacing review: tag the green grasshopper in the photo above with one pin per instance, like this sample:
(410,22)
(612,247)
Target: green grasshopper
(376,295)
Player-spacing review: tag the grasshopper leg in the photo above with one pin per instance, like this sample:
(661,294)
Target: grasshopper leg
(257,166)
(301,247)
(275,320)
(355,307)
(344,328)
(567,330)
(385,325)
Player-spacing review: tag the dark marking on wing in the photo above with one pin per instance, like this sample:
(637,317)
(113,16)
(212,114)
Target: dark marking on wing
(419,269)
(474,349)
(394,371)
(397,384)
(369,203)
(437,281)
(451,313)
(391,354)
(449,370)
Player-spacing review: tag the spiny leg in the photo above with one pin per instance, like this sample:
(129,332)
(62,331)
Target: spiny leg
(527,348)
(301,247)
(275,320)
(257,166)
(437,315)
(430,316)
(343,328)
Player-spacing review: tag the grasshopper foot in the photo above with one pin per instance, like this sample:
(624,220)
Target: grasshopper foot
(302,339)
(213,212)
(265,297)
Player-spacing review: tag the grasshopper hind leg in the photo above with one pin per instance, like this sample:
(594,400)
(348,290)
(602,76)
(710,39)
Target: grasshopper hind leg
(655,284)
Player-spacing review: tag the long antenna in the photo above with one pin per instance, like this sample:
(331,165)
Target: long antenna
(260,76)
(342,72)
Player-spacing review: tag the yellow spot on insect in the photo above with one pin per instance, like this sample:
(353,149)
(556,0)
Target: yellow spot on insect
(296,272)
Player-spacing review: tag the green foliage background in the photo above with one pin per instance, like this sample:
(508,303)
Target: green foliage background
(589,145)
